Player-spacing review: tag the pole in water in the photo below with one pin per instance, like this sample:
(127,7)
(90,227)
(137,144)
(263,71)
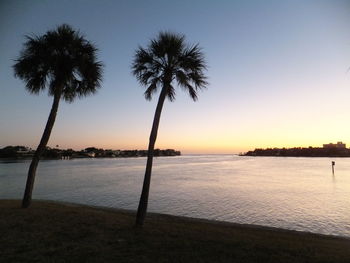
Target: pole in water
(333,164)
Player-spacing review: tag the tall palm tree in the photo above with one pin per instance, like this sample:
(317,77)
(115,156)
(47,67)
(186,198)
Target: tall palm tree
(63,62)
(167,60)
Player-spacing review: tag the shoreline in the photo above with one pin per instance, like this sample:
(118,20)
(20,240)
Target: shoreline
(190,219)
(53,231)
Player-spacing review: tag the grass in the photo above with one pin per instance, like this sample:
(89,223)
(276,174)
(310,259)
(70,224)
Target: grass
(57,232)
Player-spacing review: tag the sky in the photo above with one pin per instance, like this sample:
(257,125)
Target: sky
(278,74)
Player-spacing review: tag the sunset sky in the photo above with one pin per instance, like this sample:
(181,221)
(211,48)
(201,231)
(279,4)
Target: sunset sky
(278,73)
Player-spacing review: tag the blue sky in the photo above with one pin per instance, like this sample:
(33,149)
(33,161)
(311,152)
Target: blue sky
(278,74)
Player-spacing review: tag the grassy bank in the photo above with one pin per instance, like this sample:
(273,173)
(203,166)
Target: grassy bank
(53,232)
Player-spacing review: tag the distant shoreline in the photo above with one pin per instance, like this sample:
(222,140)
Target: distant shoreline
(23,152)
(77,158)
(295,156)
(330,152)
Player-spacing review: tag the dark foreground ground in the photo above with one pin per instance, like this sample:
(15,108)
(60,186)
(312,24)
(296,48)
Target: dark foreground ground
(54,232)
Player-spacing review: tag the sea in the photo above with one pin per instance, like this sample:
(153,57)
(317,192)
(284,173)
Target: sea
(300,194)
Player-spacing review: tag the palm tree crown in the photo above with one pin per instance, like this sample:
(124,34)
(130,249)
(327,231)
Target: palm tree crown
(61,58)
(168,58)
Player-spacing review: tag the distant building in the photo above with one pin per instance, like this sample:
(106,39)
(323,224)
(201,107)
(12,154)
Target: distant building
(21,149)
(91,154)
(338,145)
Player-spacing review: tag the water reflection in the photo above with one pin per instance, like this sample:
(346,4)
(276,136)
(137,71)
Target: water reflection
(293,193)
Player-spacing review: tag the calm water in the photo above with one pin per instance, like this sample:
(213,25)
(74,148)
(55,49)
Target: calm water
(291,193)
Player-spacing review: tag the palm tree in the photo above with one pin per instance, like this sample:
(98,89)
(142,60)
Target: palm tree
(166,60)
(63,62)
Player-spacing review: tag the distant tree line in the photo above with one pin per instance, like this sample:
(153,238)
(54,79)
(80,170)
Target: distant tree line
(16,152)
(301,152)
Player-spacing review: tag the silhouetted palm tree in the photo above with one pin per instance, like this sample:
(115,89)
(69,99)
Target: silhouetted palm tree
(166,60)
(63,62)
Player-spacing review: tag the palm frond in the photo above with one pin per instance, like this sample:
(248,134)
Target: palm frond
(152,88)
(171,94)
(192,92)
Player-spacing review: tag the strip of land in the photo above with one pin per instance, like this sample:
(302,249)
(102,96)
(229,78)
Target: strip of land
(301,152)
(58,232)
(23,152)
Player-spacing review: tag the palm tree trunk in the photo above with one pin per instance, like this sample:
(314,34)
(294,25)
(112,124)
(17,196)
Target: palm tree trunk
(27,198)
(142,208)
